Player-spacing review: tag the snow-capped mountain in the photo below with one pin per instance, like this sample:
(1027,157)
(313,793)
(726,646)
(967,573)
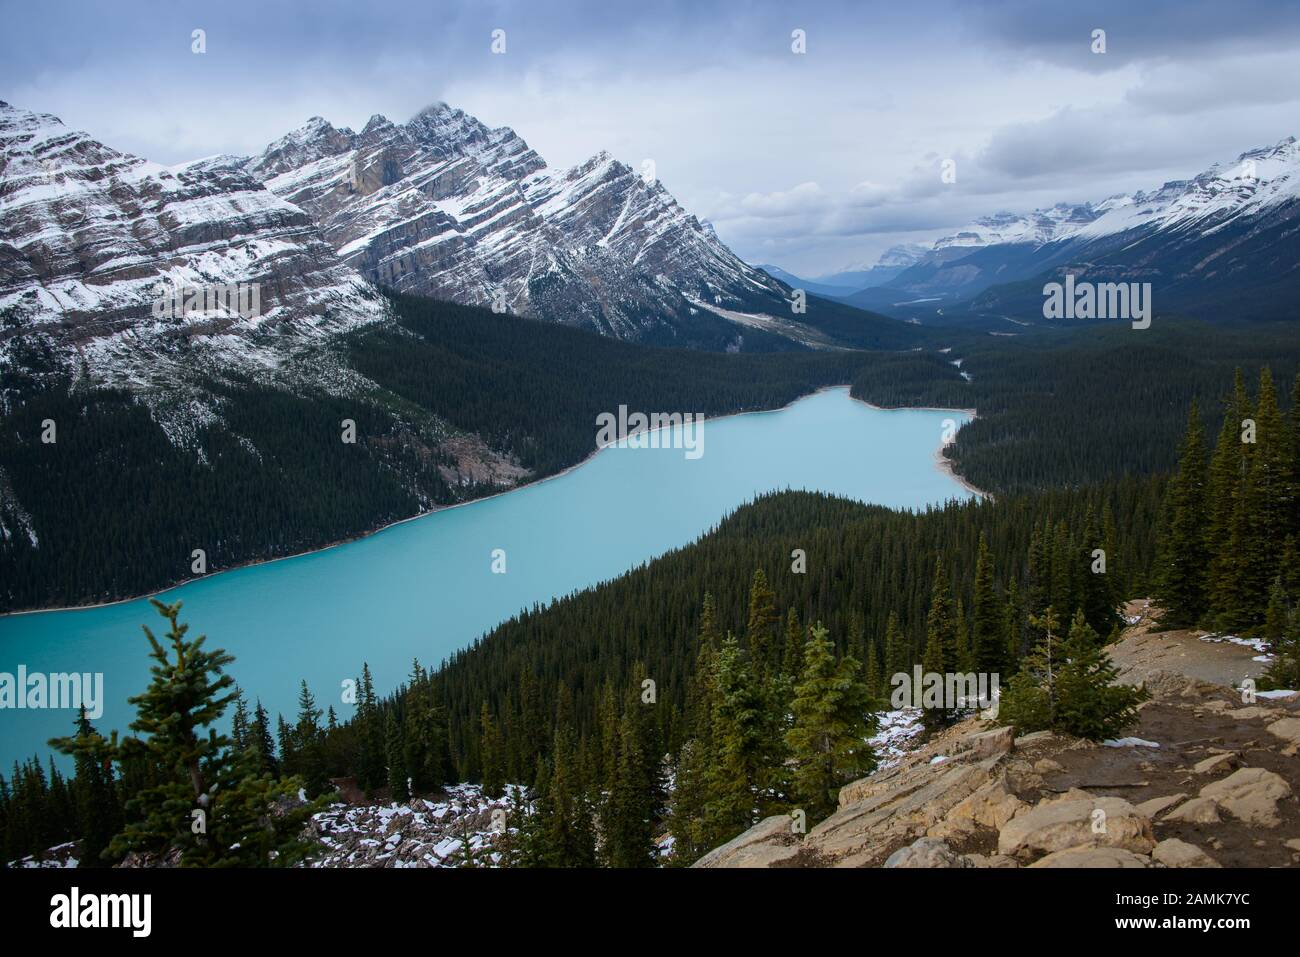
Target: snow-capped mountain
(90,238)
(1223,244)
(1040,226)
(444,206)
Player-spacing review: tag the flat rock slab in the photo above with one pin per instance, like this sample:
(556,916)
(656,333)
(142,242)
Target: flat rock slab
(1250,795)
(1288,729)
(1154,806)
(1096,856)
(770,840)
(927,852)
(1175,853)
(1076,822)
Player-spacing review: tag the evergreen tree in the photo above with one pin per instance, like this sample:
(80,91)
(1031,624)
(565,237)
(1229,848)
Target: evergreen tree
(742,749)
(1068,686)
(211,807)
(371,761)
(491,755)
(98,813)
(760,629)
(397,773)
(831,724)
(898,655)
(262,746)
(628,822)
(309,745)
(1223,535)
(940,653)
(988,641)
(1181,573)
(1282,632)
(1089,704)
(1266,504)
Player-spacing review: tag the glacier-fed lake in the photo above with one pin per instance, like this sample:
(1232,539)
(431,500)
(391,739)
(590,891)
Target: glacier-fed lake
(426,588)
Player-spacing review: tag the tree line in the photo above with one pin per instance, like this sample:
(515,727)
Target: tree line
(1230,524)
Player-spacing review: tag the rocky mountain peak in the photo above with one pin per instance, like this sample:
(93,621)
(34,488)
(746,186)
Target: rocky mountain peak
(444,205)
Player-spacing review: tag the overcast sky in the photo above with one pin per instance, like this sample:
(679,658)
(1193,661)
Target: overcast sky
(815,162)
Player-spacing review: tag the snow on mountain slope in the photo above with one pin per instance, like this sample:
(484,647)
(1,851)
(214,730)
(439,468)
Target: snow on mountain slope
(1040,226)
(1257,180)
(89,237)
(445,206)
(1222,243)
(1246,186)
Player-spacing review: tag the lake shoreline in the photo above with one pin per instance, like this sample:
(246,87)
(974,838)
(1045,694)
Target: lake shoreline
(942,463)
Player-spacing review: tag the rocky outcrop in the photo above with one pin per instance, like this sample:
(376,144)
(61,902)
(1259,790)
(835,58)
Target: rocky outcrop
(90,238)
(458,829)
(981,796)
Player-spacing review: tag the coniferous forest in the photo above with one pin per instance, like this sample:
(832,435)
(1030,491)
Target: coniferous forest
(665,700)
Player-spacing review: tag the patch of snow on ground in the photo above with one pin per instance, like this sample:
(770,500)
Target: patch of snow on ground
(1130,743)
(894,735)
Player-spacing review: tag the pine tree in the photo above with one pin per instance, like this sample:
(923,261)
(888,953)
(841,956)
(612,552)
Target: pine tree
(1029,699)
(898,656)
(1069,686)
(98,813)
(1282,632)
(212,808)
(491,755)
(309,745)
(263,747)
(742,749)
(1227,471)
(1181,577)
(1097,594)
(1267,504)
(831,724)
(792,662)
(563,831)
(371,761)
(239,730)
(627,825)
(988,642)
(398,777)
(1089,704)
(940,652)
(760,629)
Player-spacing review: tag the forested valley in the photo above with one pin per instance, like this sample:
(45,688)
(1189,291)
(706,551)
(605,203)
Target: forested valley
(737,675)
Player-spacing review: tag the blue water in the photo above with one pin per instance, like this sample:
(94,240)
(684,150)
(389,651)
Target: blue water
(425,588)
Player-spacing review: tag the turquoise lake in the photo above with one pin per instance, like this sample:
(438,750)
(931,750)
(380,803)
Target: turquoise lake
(425,588)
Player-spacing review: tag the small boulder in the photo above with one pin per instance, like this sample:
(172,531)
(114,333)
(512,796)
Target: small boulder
(1097,856)
(1033,738)
(1288,729)
(988,743)
(1216,762)
(1074,822)
(1156,805)
(1172,852)
(1250,795)
(767,842)
(1198,810)
(926,852)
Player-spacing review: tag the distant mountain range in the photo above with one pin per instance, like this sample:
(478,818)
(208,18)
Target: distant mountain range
(847,281)
(1224,244)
